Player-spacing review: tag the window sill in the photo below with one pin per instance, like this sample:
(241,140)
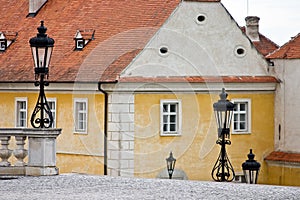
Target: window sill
(80,133)
(170,134)
(240,133)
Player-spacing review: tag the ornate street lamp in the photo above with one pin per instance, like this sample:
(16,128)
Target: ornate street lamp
(41,48)
(223,109)
(251,169)
(171,164)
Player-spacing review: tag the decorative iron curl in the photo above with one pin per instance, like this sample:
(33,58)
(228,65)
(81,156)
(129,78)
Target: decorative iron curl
(228,169)
(223,169)
(42,115)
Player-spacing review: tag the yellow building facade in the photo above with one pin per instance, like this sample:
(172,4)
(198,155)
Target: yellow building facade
(195,148)
(76,152)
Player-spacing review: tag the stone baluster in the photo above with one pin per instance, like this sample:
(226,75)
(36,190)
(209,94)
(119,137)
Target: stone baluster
(5,153)
(20,152)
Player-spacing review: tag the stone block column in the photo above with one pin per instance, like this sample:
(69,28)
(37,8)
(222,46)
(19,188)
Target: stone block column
(120,152)
(42,152)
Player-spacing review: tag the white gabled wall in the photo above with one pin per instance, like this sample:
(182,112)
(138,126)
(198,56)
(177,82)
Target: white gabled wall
(287,107)
(195,48)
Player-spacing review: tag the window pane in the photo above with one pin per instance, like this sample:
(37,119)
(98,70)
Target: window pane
(242,125)
(165,127)
(172,127)
(173,108)
(235,126)
(165,108)
(235,117)
(173,118)
(242,107)
(243,117)
(165,118)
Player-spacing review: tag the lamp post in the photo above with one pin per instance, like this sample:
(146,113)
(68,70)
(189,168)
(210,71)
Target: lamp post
(170,164)
(223,109)
(41,48)
(251,169)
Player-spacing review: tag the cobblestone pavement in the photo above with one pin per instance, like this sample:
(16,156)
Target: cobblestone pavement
(76,186)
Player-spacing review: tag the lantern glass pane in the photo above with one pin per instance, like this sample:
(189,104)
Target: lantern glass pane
(251,176)
(41,57)
(35,56)
(49,52)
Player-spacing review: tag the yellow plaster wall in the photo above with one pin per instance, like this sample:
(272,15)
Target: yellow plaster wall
(196,150)
(283,175)
(75,146)
(71,163)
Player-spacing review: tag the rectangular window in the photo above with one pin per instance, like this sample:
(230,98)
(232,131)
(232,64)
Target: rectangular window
(80,114)
(170,117)
(241,116)
(52,105)
(2,46)
(21,112)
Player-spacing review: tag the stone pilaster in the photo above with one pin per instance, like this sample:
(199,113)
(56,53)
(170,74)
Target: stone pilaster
(120,152)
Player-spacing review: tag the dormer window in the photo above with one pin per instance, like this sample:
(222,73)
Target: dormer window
(3,42)
(82,38)
(6,39)
(79,44)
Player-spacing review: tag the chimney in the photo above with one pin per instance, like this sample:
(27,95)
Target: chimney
(35,6)
(252,27)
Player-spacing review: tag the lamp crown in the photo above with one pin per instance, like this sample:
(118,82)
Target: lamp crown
(42,30)
(223,95)
(251,155)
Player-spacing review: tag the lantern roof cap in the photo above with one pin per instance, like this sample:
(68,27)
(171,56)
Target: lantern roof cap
(41,40)
(223,104)
(251,164)
(171,158)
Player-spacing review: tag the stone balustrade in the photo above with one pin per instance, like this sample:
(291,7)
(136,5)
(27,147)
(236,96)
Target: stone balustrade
(41,151)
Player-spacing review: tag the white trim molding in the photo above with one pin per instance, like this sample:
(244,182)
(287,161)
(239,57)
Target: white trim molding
(18,110)
(170,117)
(238,112)
(83,112)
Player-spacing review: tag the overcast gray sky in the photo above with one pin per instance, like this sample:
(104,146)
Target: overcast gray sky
(279,19)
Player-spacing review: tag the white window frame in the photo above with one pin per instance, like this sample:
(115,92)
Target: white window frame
(53,110)
(248,116)
(17,111)
(2,45)
(178,117)
(76,113)
(79,44)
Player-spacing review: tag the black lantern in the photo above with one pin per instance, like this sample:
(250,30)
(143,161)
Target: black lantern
(223,109)
(170,164)
(41,48)
(251,169)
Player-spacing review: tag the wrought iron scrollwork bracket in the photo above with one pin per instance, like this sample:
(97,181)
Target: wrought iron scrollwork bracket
(223,169)
(42,115)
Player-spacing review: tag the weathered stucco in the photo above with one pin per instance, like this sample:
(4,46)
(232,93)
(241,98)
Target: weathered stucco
(287,127)
(196,150)
(196,48)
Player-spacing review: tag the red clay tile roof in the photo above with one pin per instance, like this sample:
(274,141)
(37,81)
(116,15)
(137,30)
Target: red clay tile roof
(264,45)
(283,157)
(204,0)
(206,79)
(290,50)
(121,28)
